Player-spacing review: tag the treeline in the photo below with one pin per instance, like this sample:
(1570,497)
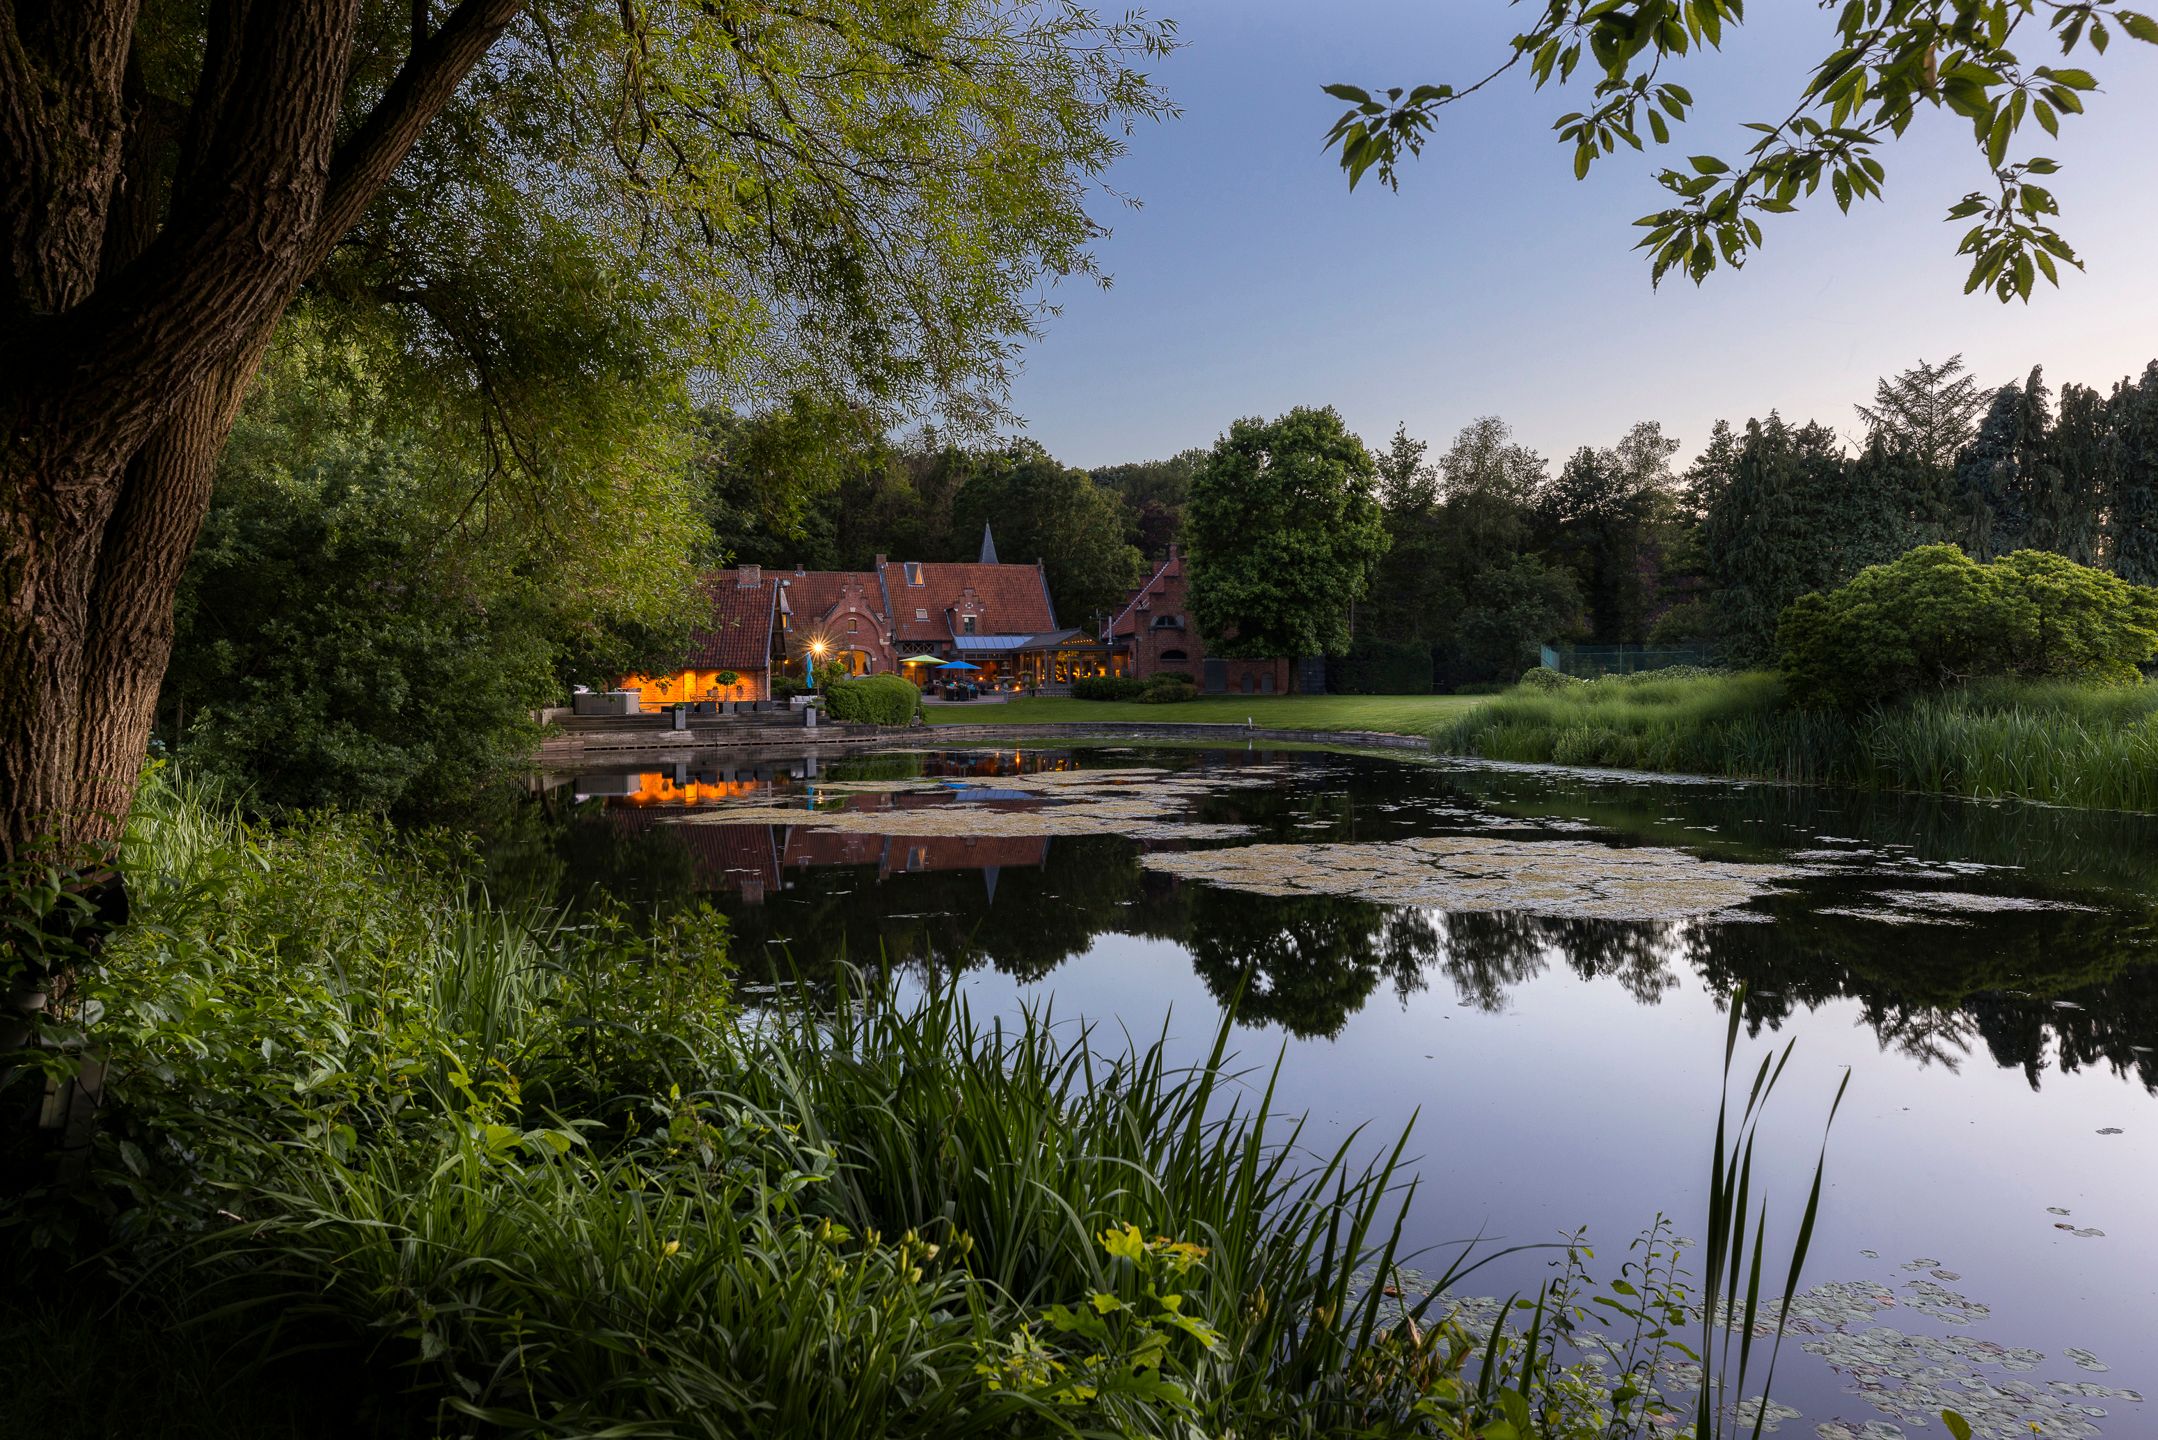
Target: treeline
(1492,553)
(1779,511)
(822,486)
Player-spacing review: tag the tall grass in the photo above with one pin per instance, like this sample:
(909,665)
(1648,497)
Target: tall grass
(2058,743)
(538,1178)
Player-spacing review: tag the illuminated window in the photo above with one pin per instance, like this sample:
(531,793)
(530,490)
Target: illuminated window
(914,572)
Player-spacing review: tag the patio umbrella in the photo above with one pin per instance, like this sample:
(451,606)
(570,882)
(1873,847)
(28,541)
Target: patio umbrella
(957,665)
(919,660)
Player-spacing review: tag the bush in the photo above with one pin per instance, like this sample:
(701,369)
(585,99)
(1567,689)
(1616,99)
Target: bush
(1542,678)
(873,700)
(1161,690)
(1935,617)
(1108,687)
(786,687)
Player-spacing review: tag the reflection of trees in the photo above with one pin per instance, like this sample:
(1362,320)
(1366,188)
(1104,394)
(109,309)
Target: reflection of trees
(1305,964)
(1486,955)
(2078,984)
(1934,992)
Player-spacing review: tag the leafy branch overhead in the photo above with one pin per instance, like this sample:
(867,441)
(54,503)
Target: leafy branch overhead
(1891,60)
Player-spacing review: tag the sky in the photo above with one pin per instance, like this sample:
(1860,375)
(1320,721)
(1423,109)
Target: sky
(1250,280)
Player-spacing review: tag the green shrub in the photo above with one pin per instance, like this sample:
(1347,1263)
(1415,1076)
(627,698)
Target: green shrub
(1544,678)
(1935,618)
(1108,687)
(1163,691)
(873,700)
(787,687)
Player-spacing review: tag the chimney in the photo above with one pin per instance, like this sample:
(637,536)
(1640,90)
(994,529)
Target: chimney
(1176,552)
(749,577)
(881,562)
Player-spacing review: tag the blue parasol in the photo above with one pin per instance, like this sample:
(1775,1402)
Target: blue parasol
(957,665)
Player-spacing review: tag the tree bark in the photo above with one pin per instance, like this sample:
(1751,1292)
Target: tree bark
(126,346)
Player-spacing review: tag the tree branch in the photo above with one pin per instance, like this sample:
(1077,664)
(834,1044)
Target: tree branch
(365,162)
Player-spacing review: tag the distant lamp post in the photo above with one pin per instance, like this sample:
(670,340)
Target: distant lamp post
(815,653)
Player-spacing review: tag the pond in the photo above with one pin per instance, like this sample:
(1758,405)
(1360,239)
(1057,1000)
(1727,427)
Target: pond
(1533,966)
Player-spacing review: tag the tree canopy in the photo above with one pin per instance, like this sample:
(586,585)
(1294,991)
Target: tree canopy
(1284,526)
(1886,62)
(565,220)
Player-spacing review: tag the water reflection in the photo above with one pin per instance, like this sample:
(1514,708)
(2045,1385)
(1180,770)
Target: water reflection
(2032,991)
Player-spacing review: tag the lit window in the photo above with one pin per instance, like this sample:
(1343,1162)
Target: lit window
(914,572)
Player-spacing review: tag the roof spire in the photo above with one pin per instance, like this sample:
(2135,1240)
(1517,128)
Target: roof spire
(989,545)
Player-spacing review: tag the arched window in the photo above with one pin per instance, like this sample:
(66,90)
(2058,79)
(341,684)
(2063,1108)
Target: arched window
(1168,655)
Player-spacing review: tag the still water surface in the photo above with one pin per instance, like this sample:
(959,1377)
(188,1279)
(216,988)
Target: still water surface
(1533,966)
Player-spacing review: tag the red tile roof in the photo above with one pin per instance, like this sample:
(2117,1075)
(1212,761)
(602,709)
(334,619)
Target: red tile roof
(1015,599)
(815,593)
(740,634)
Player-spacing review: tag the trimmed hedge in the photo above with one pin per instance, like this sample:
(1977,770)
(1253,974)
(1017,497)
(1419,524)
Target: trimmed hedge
(873,700)
(1108,687)
(1163,691)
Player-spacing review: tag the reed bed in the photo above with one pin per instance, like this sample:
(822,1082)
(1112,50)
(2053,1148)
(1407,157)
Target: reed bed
(2083,745)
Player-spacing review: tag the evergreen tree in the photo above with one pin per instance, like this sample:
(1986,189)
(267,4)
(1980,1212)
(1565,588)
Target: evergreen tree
(1930,410)
(2068,494)
(1795,516)
(2132,479)
(2002,469)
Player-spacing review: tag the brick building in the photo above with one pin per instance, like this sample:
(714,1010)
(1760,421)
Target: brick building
(1155,632)
(898,617)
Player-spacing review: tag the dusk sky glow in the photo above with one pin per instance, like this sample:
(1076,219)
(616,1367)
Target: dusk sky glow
(1493,283)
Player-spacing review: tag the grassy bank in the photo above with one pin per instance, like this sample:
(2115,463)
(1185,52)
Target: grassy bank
(2058,743)
(377,1159)
(1392,714)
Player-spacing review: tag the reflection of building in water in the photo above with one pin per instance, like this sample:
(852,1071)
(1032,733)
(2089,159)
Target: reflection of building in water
(751,860)
(908,854)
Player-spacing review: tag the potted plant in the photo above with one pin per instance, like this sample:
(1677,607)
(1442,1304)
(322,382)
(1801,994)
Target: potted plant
(727,681)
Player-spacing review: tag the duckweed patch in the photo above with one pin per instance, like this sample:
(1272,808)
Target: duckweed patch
(1139,803)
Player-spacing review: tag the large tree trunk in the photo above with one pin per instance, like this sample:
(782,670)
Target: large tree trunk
(129,331)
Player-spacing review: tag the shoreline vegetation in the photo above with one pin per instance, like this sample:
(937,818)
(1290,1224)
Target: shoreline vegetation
(1415,715)
(372,1147)
(2053,742)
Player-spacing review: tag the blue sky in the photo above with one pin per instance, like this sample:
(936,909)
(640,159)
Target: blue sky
(1493,283)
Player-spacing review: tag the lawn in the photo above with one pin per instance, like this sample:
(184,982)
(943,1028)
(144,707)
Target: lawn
(1395,714)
